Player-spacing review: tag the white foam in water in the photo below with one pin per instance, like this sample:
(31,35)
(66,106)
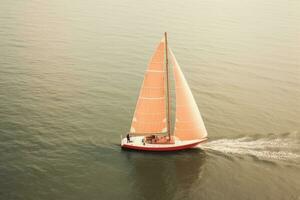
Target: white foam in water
(264,148)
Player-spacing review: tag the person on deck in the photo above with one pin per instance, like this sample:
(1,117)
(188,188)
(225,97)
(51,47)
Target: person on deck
(128,138)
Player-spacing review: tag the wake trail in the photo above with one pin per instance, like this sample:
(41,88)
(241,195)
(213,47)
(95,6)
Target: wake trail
(268,148)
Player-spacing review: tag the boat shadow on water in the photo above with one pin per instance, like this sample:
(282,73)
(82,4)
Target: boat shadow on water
(165,175)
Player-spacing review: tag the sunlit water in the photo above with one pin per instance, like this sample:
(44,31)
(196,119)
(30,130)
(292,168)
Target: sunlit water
(70,73)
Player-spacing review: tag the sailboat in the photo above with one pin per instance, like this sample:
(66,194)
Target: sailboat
(151,124)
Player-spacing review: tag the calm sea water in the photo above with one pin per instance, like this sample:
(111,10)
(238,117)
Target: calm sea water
(70,73)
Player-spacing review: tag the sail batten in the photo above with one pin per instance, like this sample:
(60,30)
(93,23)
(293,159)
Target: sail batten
(188,124)
(150,112)
(153,98)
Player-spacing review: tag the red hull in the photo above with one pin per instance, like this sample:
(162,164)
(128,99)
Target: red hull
(175,148)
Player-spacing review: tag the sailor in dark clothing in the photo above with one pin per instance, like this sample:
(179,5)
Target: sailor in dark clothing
(128,138)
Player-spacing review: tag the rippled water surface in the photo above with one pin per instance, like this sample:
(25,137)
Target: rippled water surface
(70,73)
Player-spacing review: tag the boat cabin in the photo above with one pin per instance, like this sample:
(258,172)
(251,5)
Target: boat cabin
(158,139)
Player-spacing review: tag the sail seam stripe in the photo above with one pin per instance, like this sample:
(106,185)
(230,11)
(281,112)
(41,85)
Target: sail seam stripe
(152,123)
(153,113)
(153,87)
(150,70)
(153,98)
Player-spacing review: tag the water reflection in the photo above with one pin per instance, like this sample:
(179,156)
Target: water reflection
(165,175)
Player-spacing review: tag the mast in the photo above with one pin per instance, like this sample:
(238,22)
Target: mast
(168,90)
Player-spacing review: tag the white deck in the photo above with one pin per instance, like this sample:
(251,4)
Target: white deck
(137,142)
